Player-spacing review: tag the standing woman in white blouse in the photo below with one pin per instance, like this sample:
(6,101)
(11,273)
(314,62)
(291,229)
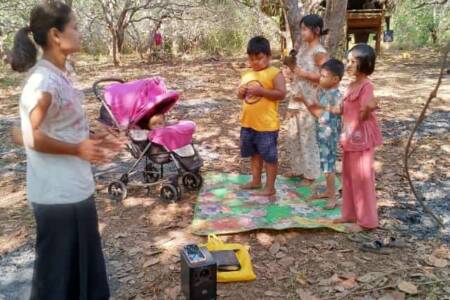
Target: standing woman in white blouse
(60,186)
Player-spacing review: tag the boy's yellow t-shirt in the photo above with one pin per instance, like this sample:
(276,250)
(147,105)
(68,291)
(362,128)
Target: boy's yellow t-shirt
(262,115)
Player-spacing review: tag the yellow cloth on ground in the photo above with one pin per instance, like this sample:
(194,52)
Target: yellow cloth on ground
(262,115)
(245,273)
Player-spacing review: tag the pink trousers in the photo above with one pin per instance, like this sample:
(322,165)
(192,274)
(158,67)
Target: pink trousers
(358,176)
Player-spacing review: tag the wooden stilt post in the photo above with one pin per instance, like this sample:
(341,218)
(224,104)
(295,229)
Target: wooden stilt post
(378,43)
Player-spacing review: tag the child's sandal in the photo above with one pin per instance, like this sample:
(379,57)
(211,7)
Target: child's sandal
(375,247)
(393,242)
(357,237)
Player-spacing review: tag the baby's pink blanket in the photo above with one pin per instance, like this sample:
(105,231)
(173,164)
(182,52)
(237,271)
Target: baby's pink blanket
(173,136)
(131,101)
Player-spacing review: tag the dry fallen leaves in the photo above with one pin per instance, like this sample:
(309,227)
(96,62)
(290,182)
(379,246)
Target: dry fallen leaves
(370,277)
(407,287)
(442,252)
(301,279)
(272,294)
(349,283)
(286,261)
(274,248)
(436,262)
(342,282)
(133,251)
(393,296)
(173,292)
(305,295)
(151,262)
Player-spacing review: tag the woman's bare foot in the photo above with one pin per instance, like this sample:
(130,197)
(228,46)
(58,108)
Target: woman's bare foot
(266,192)
(250,186)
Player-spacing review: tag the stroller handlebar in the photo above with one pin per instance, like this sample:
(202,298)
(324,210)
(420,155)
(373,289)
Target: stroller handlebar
(96,87)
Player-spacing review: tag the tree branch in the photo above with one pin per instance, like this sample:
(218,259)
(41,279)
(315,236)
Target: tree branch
(441,2)
(417,194)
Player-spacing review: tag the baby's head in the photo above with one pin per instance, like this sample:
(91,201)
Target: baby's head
(157,121)
(259,53)
(361,60)
(331,73)
(291,59)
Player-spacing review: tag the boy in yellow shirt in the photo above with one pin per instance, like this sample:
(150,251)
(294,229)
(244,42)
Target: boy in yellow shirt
(262,87)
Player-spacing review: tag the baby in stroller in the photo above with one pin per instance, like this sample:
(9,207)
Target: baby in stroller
(157,121)
(138,109)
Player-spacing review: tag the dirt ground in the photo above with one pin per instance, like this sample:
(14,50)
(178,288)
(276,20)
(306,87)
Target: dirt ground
(142,235)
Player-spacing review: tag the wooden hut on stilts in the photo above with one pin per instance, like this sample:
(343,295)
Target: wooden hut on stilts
(363,22)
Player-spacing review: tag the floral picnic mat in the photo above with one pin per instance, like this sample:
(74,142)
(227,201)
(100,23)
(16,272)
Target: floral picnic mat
(223,208)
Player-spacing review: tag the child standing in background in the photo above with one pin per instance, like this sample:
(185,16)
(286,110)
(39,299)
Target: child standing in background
(327,111)
(360,136)
(301,143)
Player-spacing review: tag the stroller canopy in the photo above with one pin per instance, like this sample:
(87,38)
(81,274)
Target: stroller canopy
(138,100)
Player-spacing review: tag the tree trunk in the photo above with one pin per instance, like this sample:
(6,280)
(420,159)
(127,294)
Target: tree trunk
(115,52)
(335,19)
(120,39)
(5,54)
(434,36)
(294,13)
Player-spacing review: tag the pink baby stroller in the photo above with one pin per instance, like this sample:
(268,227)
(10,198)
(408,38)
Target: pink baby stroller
(127,107)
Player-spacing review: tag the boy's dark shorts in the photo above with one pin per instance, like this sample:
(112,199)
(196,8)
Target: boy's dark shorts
(259,142)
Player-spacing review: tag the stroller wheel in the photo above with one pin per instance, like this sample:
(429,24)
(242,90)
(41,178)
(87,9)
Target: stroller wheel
(151,174)
(170,192)
(192,181)
(117,191)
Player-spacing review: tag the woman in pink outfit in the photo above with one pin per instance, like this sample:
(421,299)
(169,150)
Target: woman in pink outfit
(360,136)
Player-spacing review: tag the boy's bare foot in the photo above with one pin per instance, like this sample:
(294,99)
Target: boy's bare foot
(266,192)
(306,182)
(293,175)
(250,186)
(319,196)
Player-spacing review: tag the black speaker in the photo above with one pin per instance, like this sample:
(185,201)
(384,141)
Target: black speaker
(199,279)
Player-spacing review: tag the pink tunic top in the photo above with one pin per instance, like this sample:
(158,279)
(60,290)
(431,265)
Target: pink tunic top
(358,135)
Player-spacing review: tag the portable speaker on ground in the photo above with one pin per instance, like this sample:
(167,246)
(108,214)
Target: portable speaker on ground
(198,274)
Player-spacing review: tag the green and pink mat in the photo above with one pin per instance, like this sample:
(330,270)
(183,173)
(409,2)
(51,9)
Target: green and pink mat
(223,208)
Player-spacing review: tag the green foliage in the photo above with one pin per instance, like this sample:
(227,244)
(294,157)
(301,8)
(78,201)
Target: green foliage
(224,41)
(193,27)
(415,28)
(221,29)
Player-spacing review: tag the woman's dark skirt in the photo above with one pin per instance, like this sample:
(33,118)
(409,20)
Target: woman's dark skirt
(69,260)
